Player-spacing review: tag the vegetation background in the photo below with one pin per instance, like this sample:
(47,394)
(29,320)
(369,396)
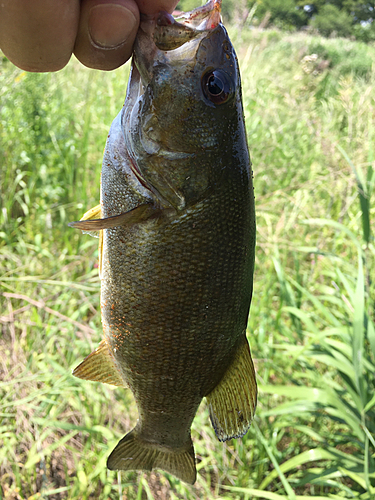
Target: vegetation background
(310,109)
(347,18)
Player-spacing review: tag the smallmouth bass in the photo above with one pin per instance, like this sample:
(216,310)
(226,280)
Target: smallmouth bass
(177,242)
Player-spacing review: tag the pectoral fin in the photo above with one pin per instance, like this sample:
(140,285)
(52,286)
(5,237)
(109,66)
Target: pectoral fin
(99,366)
(233,401)
(138,214)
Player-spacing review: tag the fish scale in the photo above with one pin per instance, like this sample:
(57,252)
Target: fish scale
(177,245)
(154,295)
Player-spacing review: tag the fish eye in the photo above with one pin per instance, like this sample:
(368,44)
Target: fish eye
(217,86)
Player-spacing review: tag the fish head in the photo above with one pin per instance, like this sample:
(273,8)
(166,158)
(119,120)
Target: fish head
(183,105)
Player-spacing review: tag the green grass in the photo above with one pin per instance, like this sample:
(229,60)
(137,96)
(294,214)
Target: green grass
(309,110)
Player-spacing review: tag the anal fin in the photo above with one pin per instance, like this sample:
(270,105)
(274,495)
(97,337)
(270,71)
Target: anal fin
(233,401)
(99,366)
(133,453)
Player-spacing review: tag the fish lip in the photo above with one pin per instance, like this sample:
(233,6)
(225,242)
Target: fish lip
(146,52)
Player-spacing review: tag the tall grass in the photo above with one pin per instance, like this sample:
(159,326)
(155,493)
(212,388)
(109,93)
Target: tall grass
(310,122)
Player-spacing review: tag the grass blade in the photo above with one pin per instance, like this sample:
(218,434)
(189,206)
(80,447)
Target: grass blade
(358,331)
(288,489)
(364,192)
(301,459)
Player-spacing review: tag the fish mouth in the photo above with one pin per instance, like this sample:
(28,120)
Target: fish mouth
(157,37)
(161,40)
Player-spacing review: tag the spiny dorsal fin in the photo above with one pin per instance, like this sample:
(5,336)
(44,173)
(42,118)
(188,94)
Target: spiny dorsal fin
(233,401)
(93,213)
(133,453)
(99,366)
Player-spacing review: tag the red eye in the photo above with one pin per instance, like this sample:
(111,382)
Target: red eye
(217,86)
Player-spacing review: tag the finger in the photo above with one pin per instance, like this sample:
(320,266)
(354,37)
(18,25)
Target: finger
(106,32)
(38,35)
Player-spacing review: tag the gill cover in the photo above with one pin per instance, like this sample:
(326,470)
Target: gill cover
(183,92)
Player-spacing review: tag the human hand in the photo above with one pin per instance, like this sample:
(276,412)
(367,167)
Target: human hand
(41,35)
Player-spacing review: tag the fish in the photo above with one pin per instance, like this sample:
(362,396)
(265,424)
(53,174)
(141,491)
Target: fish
(177,244)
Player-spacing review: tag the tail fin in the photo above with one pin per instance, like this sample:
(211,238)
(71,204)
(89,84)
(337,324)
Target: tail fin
(133,453)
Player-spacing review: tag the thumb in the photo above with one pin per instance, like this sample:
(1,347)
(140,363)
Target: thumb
(106,32)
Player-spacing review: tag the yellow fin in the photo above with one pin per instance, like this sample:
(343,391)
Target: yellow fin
(233,401)
(134,216)
(99,366)
(133,453)
(93,213)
